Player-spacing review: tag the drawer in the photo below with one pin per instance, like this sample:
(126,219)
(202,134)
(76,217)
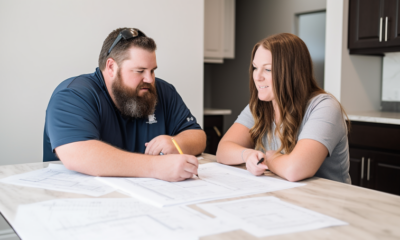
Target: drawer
(375,136)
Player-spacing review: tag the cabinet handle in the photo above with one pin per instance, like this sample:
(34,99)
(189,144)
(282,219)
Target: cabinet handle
(217,131)
(380,30)
(362,168)
(386,27)
(369,160)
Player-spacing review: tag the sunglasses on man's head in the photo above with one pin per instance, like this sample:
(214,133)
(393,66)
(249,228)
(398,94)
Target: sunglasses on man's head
(126,34)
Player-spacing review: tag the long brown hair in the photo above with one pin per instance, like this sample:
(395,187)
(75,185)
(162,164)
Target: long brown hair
(294,86)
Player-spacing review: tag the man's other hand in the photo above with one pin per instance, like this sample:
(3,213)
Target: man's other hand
(161,144)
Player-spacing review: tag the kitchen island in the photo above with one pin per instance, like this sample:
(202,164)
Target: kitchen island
(369,213)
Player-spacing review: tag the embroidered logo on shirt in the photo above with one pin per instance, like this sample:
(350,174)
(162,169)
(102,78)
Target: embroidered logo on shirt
(152,119)
(189,119)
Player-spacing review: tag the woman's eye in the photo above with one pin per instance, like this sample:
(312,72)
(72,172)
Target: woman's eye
(268,70)
(254,68)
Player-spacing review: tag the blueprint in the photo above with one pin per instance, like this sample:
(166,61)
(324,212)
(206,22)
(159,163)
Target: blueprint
(57,177)
(215,181)
(111,218)
(267,216)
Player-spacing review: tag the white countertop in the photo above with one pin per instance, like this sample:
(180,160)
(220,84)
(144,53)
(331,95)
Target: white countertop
(375,117)
(214,111)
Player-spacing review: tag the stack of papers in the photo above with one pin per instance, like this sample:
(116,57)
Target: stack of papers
(100,218)
(267,216)
(58,178)
(216,181)
(104,219)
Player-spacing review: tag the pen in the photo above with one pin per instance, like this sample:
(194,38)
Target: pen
(179,149)
(261,160)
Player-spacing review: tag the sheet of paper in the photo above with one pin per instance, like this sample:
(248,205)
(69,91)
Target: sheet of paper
(106,218)
(267,216)
(57,177)
(215,181)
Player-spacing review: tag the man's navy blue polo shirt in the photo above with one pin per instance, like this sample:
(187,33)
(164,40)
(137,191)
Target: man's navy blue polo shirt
(81,109)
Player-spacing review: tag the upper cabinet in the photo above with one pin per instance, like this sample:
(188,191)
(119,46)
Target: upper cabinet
(219,30)
(374,26)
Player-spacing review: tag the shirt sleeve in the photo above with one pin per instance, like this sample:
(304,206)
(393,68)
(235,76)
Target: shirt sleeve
(179,118)
(324,123)
(71,117)
(246,118)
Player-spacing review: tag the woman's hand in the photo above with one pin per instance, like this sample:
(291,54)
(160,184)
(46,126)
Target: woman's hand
(252,157)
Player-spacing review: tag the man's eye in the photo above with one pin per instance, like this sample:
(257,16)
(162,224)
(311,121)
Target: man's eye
(140,71)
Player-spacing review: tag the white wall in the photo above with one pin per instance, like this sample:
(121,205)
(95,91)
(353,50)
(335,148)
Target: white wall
(354,80)
(44,42)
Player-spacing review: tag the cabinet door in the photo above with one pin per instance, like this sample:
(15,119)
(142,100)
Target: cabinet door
(365,28)
(373,136)
(385,172)
(391,19)
(214,30)
(357,166)
(229,29)
(213,126)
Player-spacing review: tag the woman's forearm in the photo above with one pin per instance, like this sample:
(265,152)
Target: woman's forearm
(230,153)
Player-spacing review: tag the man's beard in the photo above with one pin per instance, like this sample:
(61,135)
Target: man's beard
(130,103)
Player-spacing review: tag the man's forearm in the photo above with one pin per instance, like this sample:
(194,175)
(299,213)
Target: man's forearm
(97,158)
(192,142)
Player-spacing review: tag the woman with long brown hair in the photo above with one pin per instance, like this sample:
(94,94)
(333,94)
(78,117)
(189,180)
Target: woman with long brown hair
(291,126)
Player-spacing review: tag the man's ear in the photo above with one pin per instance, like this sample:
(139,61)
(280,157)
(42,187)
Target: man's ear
(111,68)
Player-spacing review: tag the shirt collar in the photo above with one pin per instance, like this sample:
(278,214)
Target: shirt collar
(99,76)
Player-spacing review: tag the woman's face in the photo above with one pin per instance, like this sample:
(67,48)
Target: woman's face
(262,74)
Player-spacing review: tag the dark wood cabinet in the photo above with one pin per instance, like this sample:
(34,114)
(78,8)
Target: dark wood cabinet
(357,166)
(213,126)
(385,172)
(391,11)
(375,156)
(374,26)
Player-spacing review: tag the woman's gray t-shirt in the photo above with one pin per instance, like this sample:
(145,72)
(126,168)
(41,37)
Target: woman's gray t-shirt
(322,122)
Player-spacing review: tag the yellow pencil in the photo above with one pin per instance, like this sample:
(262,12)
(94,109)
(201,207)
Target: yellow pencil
(179,149)
(177,146)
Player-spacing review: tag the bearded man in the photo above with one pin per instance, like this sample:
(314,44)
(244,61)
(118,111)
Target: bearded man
(119,120)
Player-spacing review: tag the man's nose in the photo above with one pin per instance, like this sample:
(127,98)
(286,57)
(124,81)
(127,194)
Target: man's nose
(149,78)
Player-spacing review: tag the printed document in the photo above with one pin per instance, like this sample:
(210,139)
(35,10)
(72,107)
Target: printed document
(267,216)
(111,218)
(215,181)
(57,177)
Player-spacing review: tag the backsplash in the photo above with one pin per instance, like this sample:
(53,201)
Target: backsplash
(391,82)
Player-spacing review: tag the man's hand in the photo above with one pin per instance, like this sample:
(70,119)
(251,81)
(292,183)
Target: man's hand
(252,157)
(175,167)
(162,143)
